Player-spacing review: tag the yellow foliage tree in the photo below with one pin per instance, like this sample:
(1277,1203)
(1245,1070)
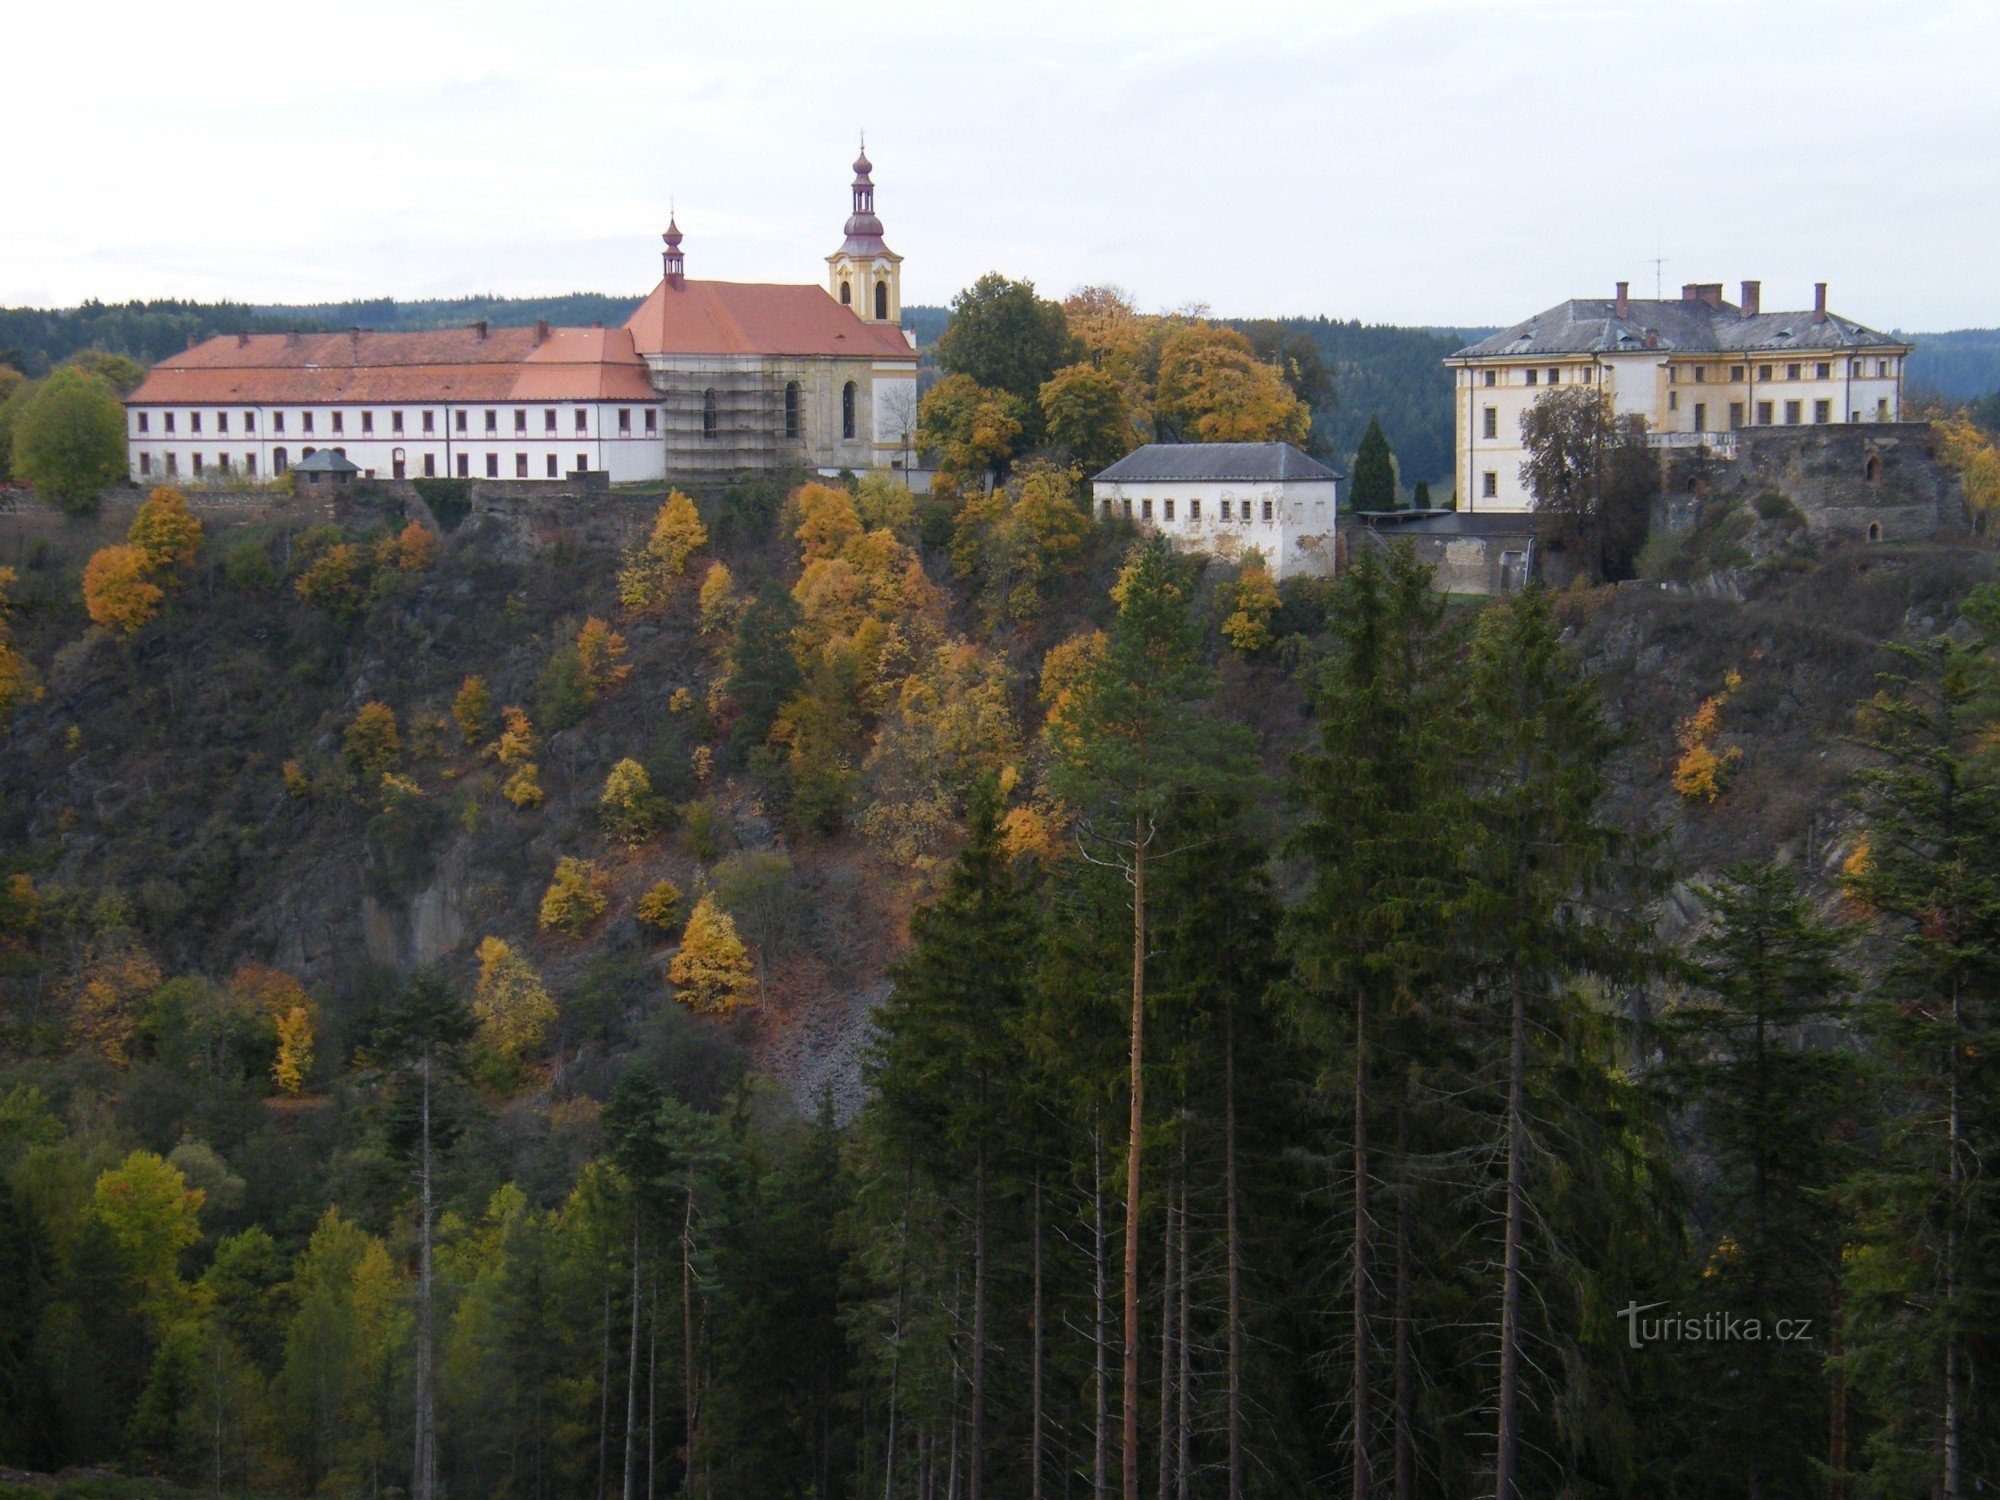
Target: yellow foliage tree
(575,897)
(1253,600)
(18,686)
(371,742)
(118,589)
(827,520)
(648,571)
(524,787)
(717,603)
(1968,451)
(627,807)
(286,1007)
(472,709)
(513,1006)
(1213,387)
(292,1064)
(712,970)
(600,655)
(517,742)
(165,531)
(660,907)
(968,427)
(1066,670)
(152,1215)
(1701,773)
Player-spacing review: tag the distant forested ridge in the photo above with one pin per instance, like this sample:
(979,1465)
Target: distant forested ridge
(1960,366)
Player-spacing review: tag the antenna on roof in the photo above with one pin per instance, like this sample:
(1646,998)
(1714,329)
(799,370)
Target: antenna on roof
(1659,266)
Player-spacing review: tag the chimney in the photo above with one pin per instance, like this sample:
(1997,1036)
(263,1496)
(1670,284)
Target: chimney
(1623,306)
(1652,339)
(1709,292)
(193,340)
(1753,298)
(541,330)
(292,339)
(1819,301)
(243,341)
(597,322)
(479,330)
(354,338)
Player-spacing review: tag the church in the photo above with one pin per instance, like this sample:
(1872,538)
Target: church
(707,380)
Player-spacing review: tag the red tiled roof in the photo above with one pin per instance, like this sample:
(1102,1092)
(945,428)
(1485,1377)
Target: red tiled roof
(457,364)
(753,317)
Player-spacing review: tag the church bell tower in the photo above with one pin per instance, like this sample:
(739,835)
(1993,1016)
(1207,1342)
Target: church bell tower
(864,273)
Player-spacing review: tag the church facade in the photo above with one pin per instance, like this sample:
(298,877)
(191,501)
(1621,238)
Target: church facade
(706,380)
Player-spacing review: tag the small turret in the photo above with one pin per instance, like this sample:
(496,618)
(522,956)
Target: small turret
(676,266)
(864,273)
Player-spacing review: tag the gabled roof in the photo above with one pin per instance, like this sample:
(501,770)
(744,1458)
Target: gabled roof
(757,317)
(455,364)
(1193,462)
(1680,326)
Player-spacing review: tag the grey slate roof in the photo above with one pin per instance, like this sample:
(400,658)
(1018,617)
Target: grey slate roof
(1588,326)
(1166,463)
(325,461)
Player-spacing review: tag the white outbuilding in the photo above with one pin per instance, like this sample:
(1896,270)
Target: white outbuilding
(1228,499)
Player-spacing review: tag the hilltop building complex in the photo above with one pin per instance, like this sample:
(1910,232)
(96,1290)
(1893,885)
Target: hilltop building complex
(1696,370)
(1227,500)
(707,379)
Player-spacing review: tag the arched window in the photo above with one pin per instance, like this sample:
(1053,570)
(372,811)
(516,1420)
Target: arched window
(1874,531)
(307,452)
(280,460)
(847,410)
(1872,469)
(882,301)
(791,408)
(846,294)
(708,414)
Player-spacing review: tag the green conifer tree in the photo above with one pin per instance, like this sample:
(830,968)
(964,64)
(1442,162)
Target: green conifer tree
(1373,486)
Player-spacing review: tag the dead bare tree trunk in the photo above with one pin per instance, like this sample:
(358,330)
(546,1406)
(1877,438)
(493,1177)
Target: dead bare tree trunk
(1133,1148)
(1406,1477)
(1167,1249)
(975,1464)
(1035,1440)
(1184,1423)
(1233,1252)
(631,1482)
(1361,1405)
(1101,1462)
(690,1397)
(1508,1435)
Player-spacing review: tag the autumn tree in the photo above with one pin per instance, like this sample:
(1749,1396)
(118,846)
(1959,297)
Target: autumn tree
(1085,413)
(371,742)
(628,807)
(575,897)
(648,571)
(18,684)
(411,550)
(1251,600)
(968,427)
(1593,478)
(600,654)
(118,589)
(1212,388)
(331,579)
(660,907)
(711,971)
(69,439)
(513,1007)
(717,605)
(472,709)
(165,532)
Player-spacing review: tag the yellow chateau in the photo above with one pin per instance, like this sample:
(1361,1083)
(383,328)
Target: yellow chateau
(1696,371)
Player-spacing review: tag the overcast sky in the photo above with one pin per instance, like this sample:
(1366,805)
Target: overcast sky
(1410,161)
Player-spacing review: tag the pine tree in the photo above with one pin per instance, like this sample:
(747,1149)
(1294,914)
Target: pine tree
(1374,484)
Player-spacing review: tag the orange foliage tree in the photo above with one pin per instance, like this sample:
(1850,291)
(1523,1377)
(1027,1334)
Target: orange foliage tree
(118,588)
(165,531)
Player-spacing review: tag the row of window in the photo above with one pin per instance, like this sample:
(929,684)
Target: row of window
(1822,370)
(281,461)
(1794,414)
(461,422)
(1167,510)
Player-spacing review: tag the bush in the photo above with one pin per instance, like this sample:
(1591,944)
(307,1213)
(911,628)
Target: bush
(562,692)
(450,500)
(660,907)
(1777,508)
(473,709)
(332,580)
(247,566)
(702,826)
(524,787)
(629,808)
(371,742)
(575,897)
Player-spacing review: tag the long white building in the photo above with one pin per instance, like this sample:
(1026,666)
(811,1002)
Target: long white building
(706,379)
(1689,368)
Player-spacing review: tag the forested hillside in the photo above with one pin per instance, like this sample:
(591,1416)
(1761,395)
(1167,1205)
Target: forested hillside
(814,991)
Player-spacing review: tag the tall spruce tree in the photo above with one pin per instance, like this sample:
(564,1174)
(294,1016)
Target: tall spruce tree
(1374,484)
(1384,830)
(948,1054)
(1922,1290)
(1135,734)
(1774,1106)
